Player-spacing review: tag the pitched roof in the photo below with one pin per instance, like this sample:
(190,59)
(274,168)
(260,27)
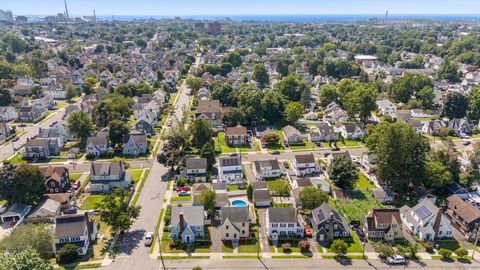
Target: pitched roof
(281,215)
(463,209)
(234,214)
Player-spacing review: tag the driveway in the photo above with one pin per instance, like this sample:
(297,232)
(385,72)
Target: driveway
(262,214)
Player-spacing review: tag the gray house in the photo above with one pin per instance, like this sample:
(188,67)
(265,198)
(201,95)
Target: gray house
(134,144)
(106,176)
(328,224)
(188,223)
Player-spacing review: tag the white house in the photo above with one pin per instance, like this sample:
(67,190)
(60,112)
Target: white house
(266,169)
(426,221)
(305,165)
(283,222)
(386,107)
(230,170)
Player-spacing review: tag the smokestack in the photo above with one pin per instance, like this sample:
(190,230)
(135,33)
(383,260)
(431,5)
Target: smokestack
(181,224)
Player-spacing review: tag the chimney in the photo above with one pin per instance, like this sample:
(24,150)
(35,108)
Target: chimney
(181,224)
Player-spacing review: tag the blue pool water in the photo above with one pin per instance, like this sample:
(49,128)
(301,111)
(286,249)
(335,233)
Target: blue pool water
(239,203)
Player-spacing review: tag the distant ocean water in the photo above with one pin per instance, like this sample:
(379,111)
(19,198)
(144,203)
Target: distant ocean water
(303,18)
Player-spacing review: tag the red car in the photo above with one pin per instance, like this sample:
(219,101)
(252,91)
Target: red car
(184,188)
(308,231)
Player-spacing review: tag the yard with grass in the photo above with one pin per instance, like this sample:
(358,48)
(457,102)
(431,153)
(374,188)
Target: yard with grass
(353,243)
(359,205)
(92,202)
(363,182)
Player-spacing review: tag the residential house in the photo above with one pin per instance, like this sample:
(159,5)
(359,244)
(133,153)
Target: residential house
(40,148)
(305,165)
(266,169)
(210,110)
(8,113)
(97,145)
(235,223)
(106,176)
(261,197)
(46,211)
(230,170)
(75,229)
(57,179)
(188,223)
(351,131)
(236,136)
(196,170)
(292,135)
(463,216)
(328,223)
(383,195)
(461,125)
(134,144)
(386,107)
(28,114)
(426,221)
(282,223)
(383,224)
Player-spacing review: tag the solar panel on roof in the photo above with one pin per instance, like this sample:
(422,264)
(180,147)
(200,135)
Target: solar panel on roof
(423,212)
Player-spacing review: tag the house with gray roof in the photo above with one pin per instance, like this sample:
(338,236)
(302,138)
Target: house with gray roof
(188,223)
(106,176)
(426,221)
(283,223)
(328,224)
(75,229)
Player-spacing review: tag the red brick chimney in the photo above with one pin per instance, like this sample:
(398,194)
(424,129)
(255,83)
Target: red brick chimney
(181,224)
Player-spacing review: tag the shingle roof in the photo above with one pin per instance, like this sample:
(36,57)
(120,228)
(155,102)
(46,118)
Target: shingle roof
(277,215)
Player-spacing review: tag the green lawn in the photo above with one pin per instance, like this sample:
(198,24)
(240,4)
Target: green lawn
(363,182)
(74,177)
(136,174)
(92,202)
(358,207)
(354,245)
(181,198)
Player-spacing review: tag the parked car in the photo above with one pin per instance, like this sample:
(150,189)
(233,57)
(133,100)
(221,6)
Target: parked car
(148,239)
(396,260)
(308,231)
(275,152)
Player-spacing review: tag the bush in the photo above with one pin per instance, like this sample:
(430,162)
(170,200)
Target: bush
(428,246)
(304,245)
(286,246)
(67,254)
(461,252)
(445,253)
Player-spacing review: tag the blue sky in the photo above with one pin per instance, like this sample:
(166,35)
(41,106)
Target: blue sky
(228,7)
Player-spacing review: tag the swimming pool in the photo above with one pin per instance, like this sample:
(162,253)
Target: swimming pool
(239,203)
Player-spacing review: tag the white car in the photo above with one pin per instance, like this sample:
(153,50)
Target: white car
(149,239)
(396,260)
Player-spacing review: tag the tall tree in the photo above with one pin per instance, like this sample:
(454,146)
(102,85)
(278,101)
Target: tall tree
(40,239)
(201,132)
(343,172)
(260,75)
(117,130)
(116,211)
(80,126)
(455,106)
(401,156)
(24,260)
(294,111)
(23,184)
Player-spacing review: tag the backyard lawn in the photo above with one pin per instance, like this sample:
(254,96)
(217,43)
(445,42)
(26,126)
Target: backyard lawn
(363,182)
(92,202)
(358,207)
